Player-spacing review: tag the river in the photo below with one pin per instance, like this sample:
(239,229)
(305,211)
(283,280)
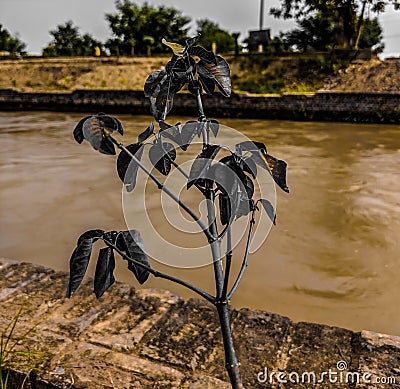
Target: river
(332,258)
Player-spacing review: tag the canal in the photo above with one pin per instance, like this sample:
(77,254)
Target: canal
(333,257)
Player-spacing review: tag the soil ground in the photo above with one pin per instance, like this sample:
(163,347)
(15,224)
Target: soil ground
(67,74)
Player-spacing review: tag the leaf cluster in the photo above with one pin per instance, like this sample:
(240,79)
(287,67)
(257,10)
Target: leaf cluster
(13,45)
(231,177)
(128,244)
(200,69)
(67,41)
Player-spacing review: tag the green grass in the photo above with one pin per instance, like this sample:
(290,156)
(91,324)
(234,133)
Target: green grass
(11,348)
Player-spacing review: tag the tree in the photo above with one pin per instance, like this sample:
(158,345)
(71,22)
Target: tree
(347,15)
(314,33)
(319,34)
(211,32)
(67,41)
(371,35)
(11,44)
(136,30)
(227,184)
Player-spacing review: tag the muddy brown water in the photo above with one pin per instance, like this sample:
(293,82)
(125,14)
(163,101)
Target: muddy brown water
(333,257)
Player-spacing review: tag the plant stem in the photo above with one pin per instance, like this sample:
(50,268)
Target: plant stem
(222,304)
(232,363)
(165,189)
(158,274)
(228,260)
(245,258)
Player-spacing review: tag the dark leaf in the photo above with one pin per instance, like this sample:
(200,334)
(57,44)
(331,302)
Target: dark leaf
(250,146)
(258,159)
(152,84)
(242,190)
(245,196)
(132,244)
(193,85)
(149,131)
(219,72)
(189,130)
(161,155)
(104,275)
(161,105)
(224,177)
(202,163)
(214,126)
(205,55)
(255,148)
(192,41)
(224,209)
(249,166)
(278,170)
(181,70)
(171,64)
(269,209)
(78,130)
(207,81)
(127,171)
(107,147)
(96,130)
(160,88)
(171,132)
(110,123)
(80,259)
(248,186)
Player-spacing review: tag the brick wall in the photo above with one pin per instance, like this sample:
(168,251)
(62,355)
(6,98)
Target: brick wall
(323,106)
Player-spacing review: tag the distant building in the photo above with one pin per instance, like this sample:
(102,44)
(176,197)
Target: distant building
(259,39)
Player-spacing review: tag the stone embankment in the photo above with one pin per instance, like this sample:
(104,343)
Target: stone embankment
(380,107)
(153,339)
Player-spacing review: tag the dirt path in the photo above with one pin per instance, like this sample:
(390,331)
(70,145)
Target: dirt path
(368,76)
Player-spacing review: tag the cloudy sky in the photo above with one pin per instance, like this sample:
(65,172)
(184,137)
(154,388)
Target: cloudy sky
(32,19)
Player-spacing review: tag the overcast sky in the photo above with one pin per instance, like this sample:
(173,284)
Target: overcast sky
(32,19)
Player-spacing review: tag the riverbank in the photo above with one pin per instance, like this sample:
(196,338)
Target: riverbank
(381,107)
(154,339)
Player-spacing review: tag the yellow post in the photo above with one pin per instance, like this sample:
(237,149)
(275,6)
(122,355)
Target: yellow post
(97,51)
(214,47)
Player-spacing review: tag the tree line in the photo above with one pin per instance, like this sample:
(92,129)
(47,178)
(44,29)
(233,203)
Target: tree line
(136,30)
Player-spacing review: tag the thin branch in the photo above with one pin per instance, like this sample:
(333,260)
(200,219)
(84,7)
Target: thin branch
(228,260)
(165,189)
(158,274)
(245,258)
(180,170)
(216,244)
